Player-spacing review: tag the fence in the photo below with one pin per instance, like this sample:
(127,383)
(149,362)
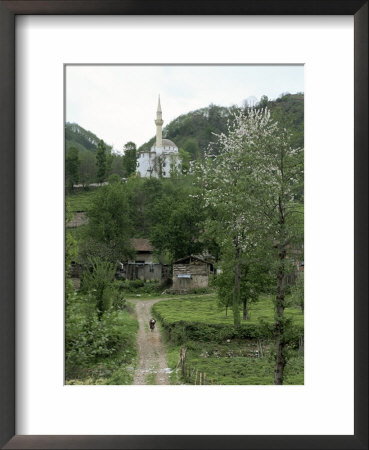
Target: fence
(191,374)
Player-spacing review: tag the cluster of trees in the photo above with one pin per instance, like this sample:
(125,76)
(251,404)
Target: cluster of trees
(89,159)
(166,211)
(99,332)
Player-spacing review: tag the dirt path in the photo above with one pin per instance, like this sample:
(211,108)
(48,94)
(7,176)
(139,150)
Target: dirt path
(152,365)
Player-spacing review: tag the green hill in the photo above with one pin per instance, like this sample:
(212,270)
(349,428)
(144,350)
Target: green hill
(86,143)
(81,139)
(195,130)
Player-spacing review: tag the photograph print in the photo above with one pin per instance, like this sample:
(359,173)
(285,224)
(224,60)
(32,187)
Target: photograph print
(184,224)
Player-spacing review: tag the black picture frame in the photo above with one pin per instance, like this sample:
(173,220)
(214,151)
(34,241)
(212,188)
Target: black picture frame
(8,11)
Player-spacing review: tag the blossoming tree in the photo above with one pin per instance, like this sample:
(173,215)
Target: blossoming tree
(250,179)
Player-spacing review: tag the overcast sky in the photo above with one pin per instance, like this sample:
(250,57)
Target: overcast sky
(118,103)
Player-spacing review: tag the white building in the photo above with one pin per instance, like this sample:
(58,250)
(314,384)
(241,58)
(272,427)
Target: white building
(162,158)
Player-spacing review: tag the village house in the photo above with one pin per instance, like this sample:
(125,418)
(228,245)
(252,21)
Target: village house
(191,272)
(143,266)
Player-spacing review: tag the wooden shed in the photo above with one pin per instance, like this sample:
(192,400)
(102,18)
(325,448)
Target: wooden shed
(191,272)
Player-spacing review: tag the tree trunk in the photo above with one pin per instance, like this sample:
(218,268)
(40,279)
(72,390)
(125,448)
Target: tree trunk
(280,362)
(236,292)
(280,359)
(244,303)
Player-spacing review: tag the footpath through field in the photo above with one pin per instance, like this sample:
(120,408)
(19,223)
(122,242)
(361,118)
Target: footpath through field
(152,365)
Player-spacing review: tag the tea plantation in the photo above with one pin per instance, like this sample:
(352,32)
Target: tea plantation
(226,355)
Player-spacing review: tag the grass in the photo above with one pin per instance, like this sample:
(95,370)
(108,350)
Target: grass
(204,309)
(237,363)
(172,353)
(80,201)
(79,233)
(150,378)
(195,321)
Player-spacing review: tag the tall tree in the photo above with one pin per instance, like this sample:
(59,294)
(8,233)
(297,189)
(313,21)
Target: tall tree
(278,180)
(87,170)
(252,180)
(117,165)
(185,161)
(255,278)
(176,223)
(72,164)
(109,228)
(97,279)
(225,177)
(129,159)
(101,161)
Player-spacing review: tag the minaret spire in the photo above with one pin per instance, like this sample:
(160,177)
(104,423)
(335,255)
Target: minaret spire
(159,123)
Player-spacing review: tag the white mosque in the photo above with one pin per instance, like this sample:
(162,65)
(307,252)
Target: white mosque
(163,157)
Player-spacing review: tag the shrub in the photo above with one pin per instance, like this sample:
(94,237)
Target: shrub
(196,318)
(98,280)
(139,286)
(97,346)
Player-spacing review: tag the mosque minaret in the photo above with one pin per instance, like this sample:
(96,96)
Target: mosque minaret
(159,123)
(163,157)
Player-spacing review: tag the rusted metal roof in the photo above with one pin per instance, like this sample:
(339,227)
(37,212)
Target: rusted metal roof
(190,258)
(142,245)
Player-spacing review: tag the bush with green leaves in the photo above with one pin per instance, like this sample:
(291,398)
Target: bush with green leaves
(139,286)
(197,318)
(297,292)
(98,348)
(97,280)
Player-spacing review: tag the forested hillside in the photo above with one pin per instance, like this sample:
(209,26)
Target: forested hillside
(194,131)
(81,147)
(81,139)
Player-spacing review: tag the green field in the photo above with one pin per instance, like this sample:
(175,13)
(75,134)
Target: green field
(204,309)
(236,363)
(227,356)
(80,201)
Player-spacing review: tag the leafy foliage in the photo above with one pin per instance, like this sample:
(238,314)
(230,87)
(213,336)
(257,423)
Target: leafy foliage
(97,280)
(109,224)
(129,159)
(101,161)
(177,223)
(98,351)
(72,164)
(297,292)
